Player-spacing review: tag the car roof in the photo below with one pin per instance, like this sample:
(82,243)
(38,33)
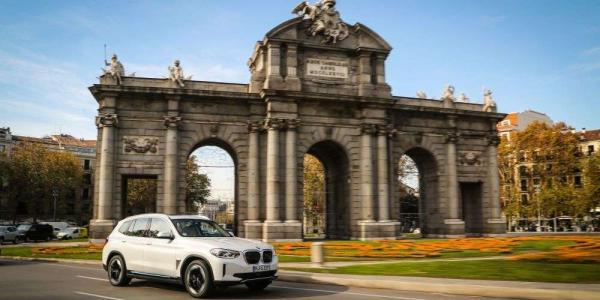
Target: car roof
(173,217)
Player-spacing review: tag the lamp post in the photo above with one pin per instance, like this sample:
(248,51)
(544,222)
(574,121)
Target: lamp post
(54,195)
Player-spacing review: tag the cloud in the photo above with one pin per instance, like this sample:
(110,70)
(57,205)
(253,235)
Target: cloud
(591,51)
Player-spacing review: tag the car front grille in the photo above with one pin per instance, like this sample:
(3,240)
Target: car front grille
(267,256)
(252,257)
(255,275)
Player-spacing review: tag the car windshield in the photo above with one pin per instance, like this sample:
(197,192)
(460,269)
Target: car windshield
(24,227)
(199,228)
(69,230)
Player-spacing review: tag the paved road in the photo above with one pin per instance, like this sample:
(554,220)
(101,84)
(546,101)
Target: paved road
(37,280)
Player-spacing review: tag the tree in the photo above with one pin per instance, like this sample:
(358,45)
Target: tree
(314,188)
(539,161)
(35,173)
(141,195)
(197,189)
(591,184)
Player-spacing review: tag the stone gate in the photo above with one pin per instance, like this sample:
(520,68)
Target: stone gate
(317,86)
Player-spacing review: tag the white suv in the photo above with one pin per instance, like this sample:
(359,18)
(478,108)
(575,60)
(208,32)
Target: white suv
(191,250)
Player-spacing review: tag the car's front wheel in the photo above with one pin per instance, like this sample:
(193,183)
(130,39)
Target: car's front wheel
(258,285)
(117,271)
(198,279)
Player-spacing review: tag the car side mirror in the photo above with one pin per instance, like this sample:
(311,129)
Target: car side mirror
(165,235)
(231,233)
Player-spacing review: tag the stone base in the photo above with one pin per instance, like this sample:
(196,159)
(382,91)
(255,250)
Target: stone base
(100,229)
(253,230)
(383,230)
(495,226)
(277,231)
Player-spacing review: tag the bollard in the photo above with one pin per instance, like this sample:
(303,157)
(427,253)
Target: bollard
(317,256)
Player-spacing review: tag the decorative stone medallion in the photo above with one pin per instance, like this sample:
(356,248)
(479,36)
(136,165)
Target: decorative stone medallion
(469,158)
(140,145)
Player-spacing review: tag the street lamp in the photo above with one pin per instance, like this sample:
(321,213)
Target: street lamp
(54,195)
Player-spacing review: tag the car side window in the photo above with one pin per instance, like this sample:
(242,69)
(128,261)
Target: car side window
(158,226)
(126,227)
(11,229)
(140,227)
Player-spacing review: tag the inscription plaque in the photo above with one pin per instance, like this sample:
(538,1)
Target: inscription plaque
(327,68)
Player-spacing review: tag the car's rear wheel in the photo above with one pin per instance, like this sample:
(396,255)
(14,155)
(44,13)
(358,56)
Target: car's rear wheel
(198,279)
(258,285)
(117,271)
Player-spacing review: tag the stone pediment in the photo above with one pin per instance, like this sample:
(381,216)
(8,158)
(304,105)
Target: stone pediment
(360,36)
(294,56)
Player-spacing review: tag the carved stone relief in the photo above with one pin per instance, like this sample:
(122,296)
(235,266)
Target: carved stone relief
(140,145)
(469,158)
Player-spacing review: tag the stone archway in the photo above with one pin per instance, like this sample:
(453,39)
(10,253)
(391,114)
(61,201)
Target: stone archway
(337,203)
(231,153)
(428,187)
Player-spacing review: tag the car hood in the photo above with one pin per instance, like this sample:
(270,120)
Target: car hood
(233,243)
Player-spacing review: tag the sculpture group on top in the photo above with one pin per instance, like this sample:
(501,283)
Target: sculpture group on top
(325,20)
(489,105)
(115,70)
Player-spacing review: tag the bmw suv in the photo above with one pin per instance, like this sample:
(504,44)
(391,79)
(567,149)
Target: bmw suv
(190,250)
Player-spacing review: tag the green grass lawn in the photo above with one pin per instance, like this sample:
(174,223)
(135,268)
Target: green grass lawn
(26,252)
(484,269)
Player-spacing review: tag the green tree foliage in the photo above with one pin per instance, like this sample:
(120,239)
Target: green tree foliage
(545,156)
(35,173)
(591,183)
(141,195)
(314,188)
(197,188)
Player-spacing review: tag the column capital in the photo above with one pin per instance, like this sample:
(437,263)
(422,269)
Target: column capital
(172,121)
(451,137)
(368,129)
(254,126)
(493,139)
(292,124)
(107,120)
(274,124)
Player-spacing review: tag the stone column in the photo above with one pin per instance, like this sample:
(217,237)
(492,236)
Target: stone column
(172,122)
(253,174)
(108,122)
(451,177)
(291,176)
(274,79)
(493,179)
(272,193)
(383,175)
(366,167)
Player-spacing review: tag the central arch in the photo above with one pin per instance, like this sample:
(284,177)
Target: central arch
(428,188)
(337,203)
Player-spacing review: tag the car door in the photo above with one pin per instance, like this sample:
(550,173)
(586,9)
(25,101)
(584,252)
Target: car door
(11,234)
(160,254)
(134,243)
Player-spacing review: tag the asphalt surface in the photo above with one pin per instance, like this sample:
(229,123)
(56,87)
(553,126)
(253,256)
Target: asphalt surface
(41,280)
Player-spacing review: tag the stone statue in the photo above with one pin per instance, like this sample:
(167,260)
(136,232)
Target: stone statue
(448,93)
(421,95)
(325,20)
(115,70)
(488,103)
(176,74)
(463,98)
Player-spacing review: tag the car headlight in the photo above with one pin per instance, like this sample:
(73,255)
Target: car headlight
(224,253)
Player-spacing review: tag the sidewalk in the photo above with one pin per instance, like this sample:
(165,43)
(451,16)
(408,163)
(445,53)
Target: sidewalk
(482,288)
(46,244)
(336,264)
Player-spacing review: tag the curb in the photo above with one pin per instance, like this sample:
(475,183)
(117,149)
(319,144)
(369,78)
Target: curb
(54,260)
(454,288)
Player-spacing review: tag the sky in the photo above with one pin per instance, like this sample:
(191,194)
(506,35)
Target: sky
(540,55)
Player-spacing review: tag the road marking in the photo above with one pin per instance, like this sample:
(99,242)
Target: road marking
(97,296)
(349,293)
(92,278)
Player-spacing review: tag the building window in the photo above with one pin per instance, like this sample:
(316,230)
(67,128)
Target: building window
(590,149)
(523,185)
(505,123)
(523,171)
(536,182)
(87,178)
(86,193)
(2,148)
(86,164)
(524,199)
(577,181)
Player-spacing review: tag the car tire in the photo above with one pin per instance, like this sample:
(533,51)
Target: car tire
(198,279)
(117,271)
(1,240)
(258,285)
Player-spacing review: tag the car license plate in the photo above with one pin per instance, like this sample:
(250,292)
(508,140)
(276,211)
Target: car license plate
(261,268)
